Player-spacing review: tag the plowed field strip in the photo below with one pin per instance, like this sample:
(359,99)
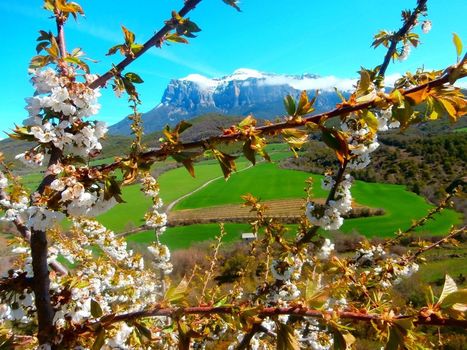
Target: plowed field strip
(282,208)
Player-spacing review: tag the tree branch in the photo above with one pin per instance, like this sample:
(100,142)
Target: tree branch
(153,41)
(421,6)
(39,250)
(163,152)
(273,311)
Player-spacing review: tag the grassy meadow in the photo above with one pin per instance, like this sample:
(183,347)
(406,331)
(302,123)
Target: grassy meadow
(266,181)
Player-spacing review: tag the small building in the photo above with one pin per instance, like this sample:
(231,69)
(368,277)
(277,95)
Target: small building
(248,236)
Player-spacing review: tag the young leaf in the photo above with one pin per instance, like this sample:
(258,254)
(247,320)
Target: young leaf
(233,3)
(418,97)
(175,38)
(343,340)
(176,294)
(370,119)
(448,288)
(336,140)
(449,108)
(96,310)
(364,83)
(129,36)
(226,161)
(134,78)
(248,152)
(135,48)
(143,331)
(286,339)
(289,104)
(458,44)
(186,158)
(295,138)
(247,122)
(114,49)
(100,340)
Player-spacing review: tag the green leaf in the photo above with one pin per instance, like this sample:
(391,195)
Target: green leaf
(370,119)
(364,82)
(78,62)
(129,36)
(96,310)
(286,339)
(176,294)
(134,78)
(113,50)
(135,48)
(112,189)
(343,340)
(143,331)
(448,288)
(226,161)
(458,44)
(289,104)
(39,61)
(336,140)
(233,3)
(100,340)
(175,38)
(457,297)
(396,339)
(295,138)
(186,158)
(248,152)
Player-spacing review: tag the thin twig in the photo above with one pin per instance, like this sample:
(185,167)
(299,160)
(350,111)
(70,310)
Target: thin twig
(421,6)
(454,232)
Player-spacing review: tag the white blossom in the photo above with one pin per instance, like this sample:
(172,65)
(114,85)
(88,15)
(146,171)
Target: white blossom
(426,26)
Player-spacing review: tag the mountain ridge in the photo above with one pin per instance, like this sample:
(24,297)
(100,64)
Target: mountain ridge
(245,91)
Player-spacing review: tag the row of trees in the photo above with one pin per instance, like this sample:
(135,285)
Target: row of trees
(114,299)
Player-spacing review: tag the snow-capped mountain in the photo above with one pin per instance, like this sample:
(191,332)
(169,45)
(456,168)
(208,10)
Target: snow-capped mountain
(243,92)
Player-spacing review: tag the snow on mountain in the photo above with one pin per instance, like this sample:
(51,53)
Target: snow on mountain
(245,91)
(302,82)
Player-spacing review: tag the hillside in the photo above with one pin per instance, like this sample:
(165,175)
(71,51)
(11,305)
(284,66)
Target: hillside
(425,159)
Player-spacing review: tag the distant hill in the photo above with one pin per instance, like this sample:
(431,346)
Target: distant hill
(244,92)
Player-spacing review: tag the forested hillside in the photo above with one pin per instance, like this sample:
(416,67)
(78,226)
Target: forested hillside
(426,159)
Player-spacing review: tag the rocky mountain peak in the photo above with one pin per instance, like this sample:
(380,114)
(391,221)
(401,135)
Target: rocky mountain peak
(243,92)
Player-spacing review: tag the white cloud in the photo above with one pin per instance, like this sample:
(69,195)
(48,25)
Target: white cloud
(327,83)
(390,79)
(461,83)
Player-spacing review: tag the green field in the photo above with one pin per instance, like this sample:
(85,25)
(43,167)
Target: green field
(266,181)
(184,236)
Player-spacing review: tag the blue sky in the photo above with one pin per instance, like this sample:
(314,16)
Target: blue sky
(293,36)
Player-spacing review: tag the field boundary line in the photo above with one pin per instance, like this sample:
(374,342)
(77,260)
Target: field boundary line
(176,201)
